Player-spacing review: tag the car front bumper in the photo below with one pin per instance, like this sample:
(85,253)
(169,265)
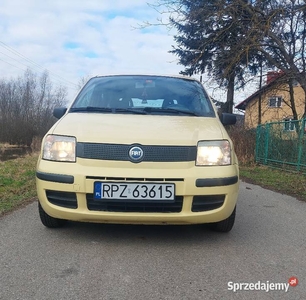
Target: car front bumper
(65,191)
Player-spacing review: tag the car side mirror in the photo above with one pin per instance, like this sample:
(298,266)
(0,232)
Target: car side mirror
(228,119)
(58,112)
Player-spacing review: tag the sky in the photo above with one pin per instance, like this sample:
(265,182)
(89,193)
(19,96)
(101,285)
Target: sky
(74,39)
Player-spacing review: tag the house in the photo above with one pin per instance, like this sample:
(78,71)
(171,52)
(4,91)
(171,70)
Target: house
(275,102)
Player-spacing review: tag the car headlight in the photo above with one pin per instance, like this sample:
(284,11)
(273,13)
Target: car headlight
(59,148)
(213,153)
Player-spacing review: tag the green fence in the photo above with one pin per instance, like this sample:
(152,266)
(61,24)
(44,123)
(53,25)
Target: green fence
(282,145)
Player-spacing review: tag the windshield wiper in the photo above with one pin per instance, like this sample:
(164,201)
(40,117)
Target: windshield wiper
(143,111)
(131,110)
(107,109)
(171,110)
(91,108)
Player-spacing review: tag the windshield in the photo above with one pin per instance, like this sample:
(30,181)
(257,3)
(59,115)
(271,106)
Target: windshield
(143,94)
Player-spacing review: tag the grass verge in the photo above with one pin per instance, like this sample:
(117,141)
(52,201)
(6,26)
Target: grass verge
(292,184)
(17,182)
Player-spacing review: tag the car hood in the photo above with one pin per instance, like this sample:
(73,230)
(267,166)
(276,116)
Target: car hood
(142,129)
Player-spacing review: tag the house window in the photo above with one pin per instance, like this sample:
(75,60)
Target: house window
(289,124)
(275,101)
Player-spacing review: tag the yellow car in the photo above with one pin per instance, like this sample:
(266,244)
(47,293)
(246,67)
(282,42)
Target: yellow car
(139,149)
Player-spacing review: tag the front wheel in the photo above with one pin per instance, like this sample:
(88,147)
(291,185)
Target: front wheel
(224,225)
(49,221)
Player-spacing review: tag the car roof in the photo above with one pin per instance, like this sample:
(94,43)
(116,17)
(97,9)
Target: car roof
(153,75)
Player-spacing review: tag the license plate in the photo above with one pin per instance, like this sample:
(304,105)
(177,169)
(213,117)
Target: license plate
(134,191)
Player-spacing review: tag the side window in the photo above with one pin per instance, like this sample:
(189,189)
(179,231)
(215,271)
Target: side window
(275,101)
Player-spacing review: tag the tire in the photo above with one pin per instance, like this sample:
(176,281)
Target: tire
(49,221)
(224,225)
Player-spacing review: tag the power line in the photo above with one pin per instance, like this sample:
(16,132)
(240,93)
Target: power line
(12,65)
(32,62)
(69,87)
(36,65)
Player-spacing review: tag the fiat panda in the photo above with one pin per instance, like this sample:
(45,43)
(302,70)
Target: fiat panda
(139,149)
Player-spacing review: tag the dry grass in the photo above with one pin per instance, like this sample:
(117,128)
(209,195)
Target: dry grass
(17,182)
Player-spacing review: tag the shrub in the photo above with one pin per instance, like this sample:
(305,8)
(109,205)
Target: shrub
(244,143)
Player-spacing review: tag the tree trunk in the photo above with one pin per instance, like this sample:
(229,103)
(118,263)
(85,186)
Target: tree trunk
(292,101)
(230,94)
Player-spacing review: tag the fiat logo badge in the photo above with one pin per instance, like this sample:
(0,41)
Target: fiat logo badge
(136,154)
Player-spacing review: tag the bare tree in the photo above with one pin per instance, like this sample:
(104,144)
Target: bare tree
(26,106)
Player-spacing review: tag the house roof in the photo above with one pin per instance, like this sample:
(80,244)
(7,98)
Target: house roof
(242,105)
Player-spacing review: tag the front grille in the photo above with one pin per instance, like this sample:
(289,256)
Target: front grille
(117,205)
(207,202)
(120,152)
(64,199)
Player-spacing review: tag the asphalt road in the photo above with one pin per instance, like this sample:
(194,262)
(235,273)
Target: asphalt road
(94,261)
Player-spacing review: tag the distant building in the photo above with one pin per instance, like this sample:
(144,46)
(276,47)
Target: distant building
(275,101)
